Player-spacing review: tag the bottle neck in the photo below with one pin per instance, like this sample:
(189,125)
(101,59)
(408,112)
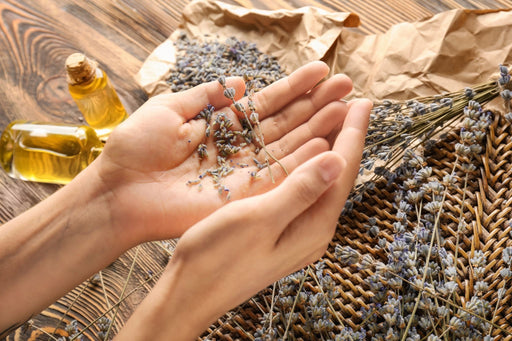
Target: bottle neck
(80,69)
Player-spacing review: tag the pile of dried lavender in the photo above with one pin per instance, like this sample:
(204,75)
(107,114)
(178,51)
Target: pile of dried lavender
(229,142)
(200,62)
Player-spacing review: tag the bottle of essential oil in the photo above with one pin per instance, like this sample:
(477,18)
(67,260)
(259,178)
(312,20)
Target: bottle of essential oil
(94,94)
(42,152)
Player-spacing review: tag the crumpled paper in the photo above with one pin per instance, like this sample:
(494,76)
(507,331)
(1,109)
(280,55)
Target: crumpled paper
(443,53)
(294,37)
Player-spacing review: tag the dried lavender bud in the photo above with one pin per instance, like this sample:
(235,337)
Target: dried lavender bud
(423,174)
(449,180)
(103,323)
(398,227)
(462,149)
(476,149)
(468,123)
(479,135)
(374,231)
(346,255)
(447,102)
(503,70)
(433,207)
(395,283)
(469,93)
(414,197)
(250,104)
(229,93)
(481,287)
(222,80)
(254,117)
(506,255)
(383,243)
(239,106)
(367,261)
(202,151)
(501,292)
(72,327)
(434,107)
(95,279)
(504,79)
(467,137)
(468,167)
(349,206)
(506,95)
(474,105)
(478,259)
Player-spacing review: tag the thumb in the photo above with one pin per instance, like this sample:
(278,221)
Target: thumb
(302,188)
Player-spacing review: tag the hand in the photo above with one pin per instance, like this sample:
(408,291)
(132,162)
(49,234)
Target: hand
(149,159)
(238,250)
(136,189)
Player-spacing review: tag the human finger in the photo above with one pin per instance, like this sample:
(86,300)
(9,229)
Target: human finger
(303,108)
(190,102)
(316,226)
(320,125)
(301,189)
(279,171)
(278,94)
(350,142)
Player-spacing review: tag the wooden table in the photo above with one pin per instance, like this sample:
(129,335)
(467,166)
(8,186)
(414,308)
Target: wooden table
(37,36)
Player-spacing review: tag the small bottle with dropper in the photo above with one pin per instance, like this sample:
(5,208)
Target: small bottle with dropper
(43,152)
(94,94)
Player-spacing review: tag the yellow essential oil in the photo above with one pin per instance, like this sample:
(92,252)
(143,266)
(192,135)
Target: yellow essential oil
(94,94)
(47,152)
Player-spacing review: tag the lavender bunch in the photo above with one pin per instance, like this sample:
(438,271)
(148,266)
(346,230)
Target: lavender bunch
(416,292)
(397,126)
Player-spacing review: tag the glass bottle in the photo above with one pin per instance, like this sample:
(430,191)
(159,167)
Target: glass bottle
(94,94)
(43,152)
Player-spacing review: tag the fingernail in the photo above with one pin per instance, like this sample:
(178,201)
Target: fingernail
(330,169)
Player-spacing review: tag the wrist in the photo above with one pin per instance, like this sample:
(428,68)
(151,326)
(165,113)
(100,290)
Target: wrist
(173,308)
(89,203)
(67,235)
(100,196)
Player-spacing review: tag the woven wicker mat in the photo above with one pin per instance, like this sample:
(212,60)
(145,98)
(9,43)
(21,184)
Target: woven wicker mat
(487,209)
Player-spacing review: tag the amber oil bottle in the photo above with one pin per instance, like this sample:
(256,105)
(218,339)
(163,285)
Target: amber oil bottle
(42,152)
(94,94)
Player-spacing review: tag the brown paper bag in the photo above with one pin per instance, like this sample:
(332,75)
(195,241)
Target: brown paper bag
(444,53)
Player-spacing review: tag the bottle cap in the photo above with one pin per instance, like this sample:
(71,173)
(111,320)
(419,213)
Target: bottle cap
(80,69)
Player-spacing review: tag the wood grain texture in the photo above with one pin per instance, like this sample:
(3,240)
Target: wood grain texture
(36,36)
